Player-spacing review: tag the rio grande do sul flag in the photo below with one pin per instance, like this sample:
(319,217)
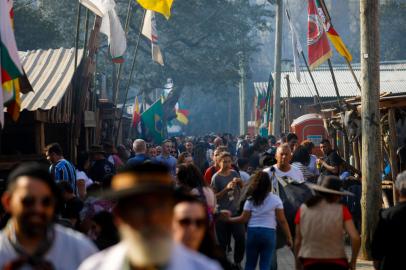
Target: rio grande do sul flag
(10,65)
(317,42)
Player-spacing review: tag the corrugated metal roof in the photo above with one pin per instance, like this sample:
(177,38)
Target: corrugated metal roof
(392,76)
(50,73)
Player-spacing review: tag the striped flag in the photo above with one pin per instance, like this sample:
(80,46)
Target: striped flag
(136,113)
(318,47)
(150,32)
(11,69)
(331,32)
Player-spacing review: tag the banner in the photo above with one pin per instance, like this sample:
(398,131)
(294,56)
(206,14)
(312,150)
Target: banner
(318,47)
(149,31)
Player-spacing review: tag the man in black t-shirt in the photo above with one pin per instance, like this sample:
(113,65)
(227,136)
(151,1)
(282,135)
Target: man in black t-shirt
(100,167)
(331,161)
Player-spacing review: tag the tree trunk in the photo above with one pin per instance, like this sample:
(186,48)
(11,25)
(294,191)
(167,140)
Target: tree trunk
(371,200)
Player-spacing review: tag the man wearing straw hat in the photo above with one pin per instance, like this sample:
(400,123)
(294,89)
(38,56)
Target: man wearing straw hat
(320,225)
(145,200)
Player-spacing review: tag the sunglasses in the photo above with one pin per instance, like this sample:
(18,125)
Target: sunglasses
(30,201)
(186,222)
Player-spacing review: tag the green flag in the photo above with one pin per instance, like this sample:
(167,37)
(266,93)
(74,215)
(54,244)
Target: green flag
(152,120)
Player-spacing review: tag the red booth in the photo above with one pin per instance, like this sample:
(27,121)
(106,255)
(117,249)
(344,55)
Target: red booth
(310,127)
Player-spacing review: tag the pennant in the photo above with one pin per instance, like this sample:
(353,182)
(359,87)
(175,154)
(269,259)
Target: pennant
(160,6)
(331,32)
(111,26)
(136,113)
(10,65)
(149,31)
(296,47)
(318,47)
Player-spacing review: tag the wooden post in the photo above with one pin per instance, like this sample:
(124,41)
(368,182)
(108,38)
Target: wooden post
(40,137)
(288,103)
(276,121)
(371,199)
(357,159)
(393,141)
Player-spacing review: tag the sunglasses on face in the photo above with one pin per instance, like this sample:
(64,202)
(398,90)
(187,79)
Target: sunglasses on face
(30,201)
(186,222)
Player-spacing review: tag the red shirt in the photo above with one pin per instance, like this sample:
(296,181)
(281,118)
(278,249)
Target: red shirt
(309,261)
(208,175)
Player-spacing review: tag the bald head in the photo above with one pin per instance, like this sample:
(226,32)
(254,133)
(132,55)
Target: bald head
(139,146)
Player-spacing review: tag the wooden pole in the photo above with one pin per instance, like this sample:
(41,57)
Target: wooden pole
(131,75)
(352,73)
(371,199)
(393,141)
(334,83)
(276,121)
(287,111)
(77,39)
(120,66)
(313,81)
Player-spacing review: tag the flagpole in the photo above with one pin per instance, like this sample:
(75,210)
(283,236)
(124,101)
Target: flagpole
(327,14)
(131,74)
(312,78)
(120,66)
(334,82)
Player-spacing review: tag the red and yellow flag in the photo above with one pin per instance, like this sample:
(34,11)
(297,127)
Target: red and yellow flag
(10,65)
(136,113)
(318,47)
(331,32)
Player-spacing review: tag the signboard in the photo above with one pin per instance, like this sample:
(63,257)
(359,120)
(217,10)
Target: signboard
(315,139)
(90,119)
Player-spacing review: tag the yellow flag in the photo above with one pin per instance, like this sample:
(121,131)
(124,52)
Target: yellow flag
(160,6)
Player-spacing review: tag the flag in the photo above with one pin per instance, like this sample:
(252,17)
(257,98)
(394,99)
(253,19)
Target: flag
(152,121)
(182,116)
(160,6)
(269,100)
(111,26)
(296,47)
(136,113)
(150,32)
(11,68)
(318,47)
(331,32)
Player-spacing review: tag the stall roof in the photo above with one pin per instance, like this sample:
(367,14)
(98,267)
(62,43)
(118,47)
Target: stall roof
(393,80)
(50,72)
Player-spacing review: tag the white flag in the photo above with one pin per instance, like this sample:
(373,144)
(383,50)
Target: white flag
(296,47)
(111,26)
(149,31)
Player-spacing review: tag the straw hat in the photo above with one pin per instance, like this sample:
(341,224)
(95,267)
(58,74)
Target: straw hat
(330,184)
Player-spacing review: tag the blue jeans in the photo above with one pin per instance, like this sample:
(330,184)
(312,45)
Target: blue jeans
(261,243)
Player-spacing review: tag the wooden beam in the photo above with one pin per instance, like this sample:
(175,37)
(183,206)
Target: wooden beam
(393,145)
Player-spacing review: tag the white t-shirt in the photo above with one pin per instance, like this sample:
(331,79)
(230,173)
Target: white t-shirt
(294,174)
(68,251)
(83,175)
(245,177)
(264,215)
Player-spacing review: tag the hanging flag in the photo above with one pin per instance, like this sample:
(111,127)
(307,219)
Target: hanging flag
(269,100)
(150,32)
(111,26)
(318,47)
(136,112)
(160,6)
(296,47)
(152,121)
(11,68)
(331,32)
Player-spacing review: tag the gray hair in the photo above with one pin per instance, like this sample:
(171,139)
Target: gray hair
(401,183)
(139,146)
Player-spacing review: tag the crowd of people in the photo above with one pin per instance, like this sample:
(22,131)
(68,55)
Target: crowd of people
(189,203)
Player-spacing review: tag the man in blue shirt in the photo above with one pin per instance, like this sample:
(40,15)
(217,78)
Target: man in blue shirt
(165,157)
(140,150)
(60,169)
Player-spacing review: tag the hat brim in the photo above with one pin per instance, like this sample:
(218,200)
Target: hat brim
(328,190)
(138,190)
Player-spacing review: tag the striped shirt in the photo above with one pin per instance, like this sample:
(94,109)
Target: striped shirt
(63,170)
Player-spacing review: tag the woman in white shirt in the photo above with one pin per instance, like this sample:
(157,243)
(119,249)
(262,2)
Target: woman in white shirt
(263,210)
(82,180)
